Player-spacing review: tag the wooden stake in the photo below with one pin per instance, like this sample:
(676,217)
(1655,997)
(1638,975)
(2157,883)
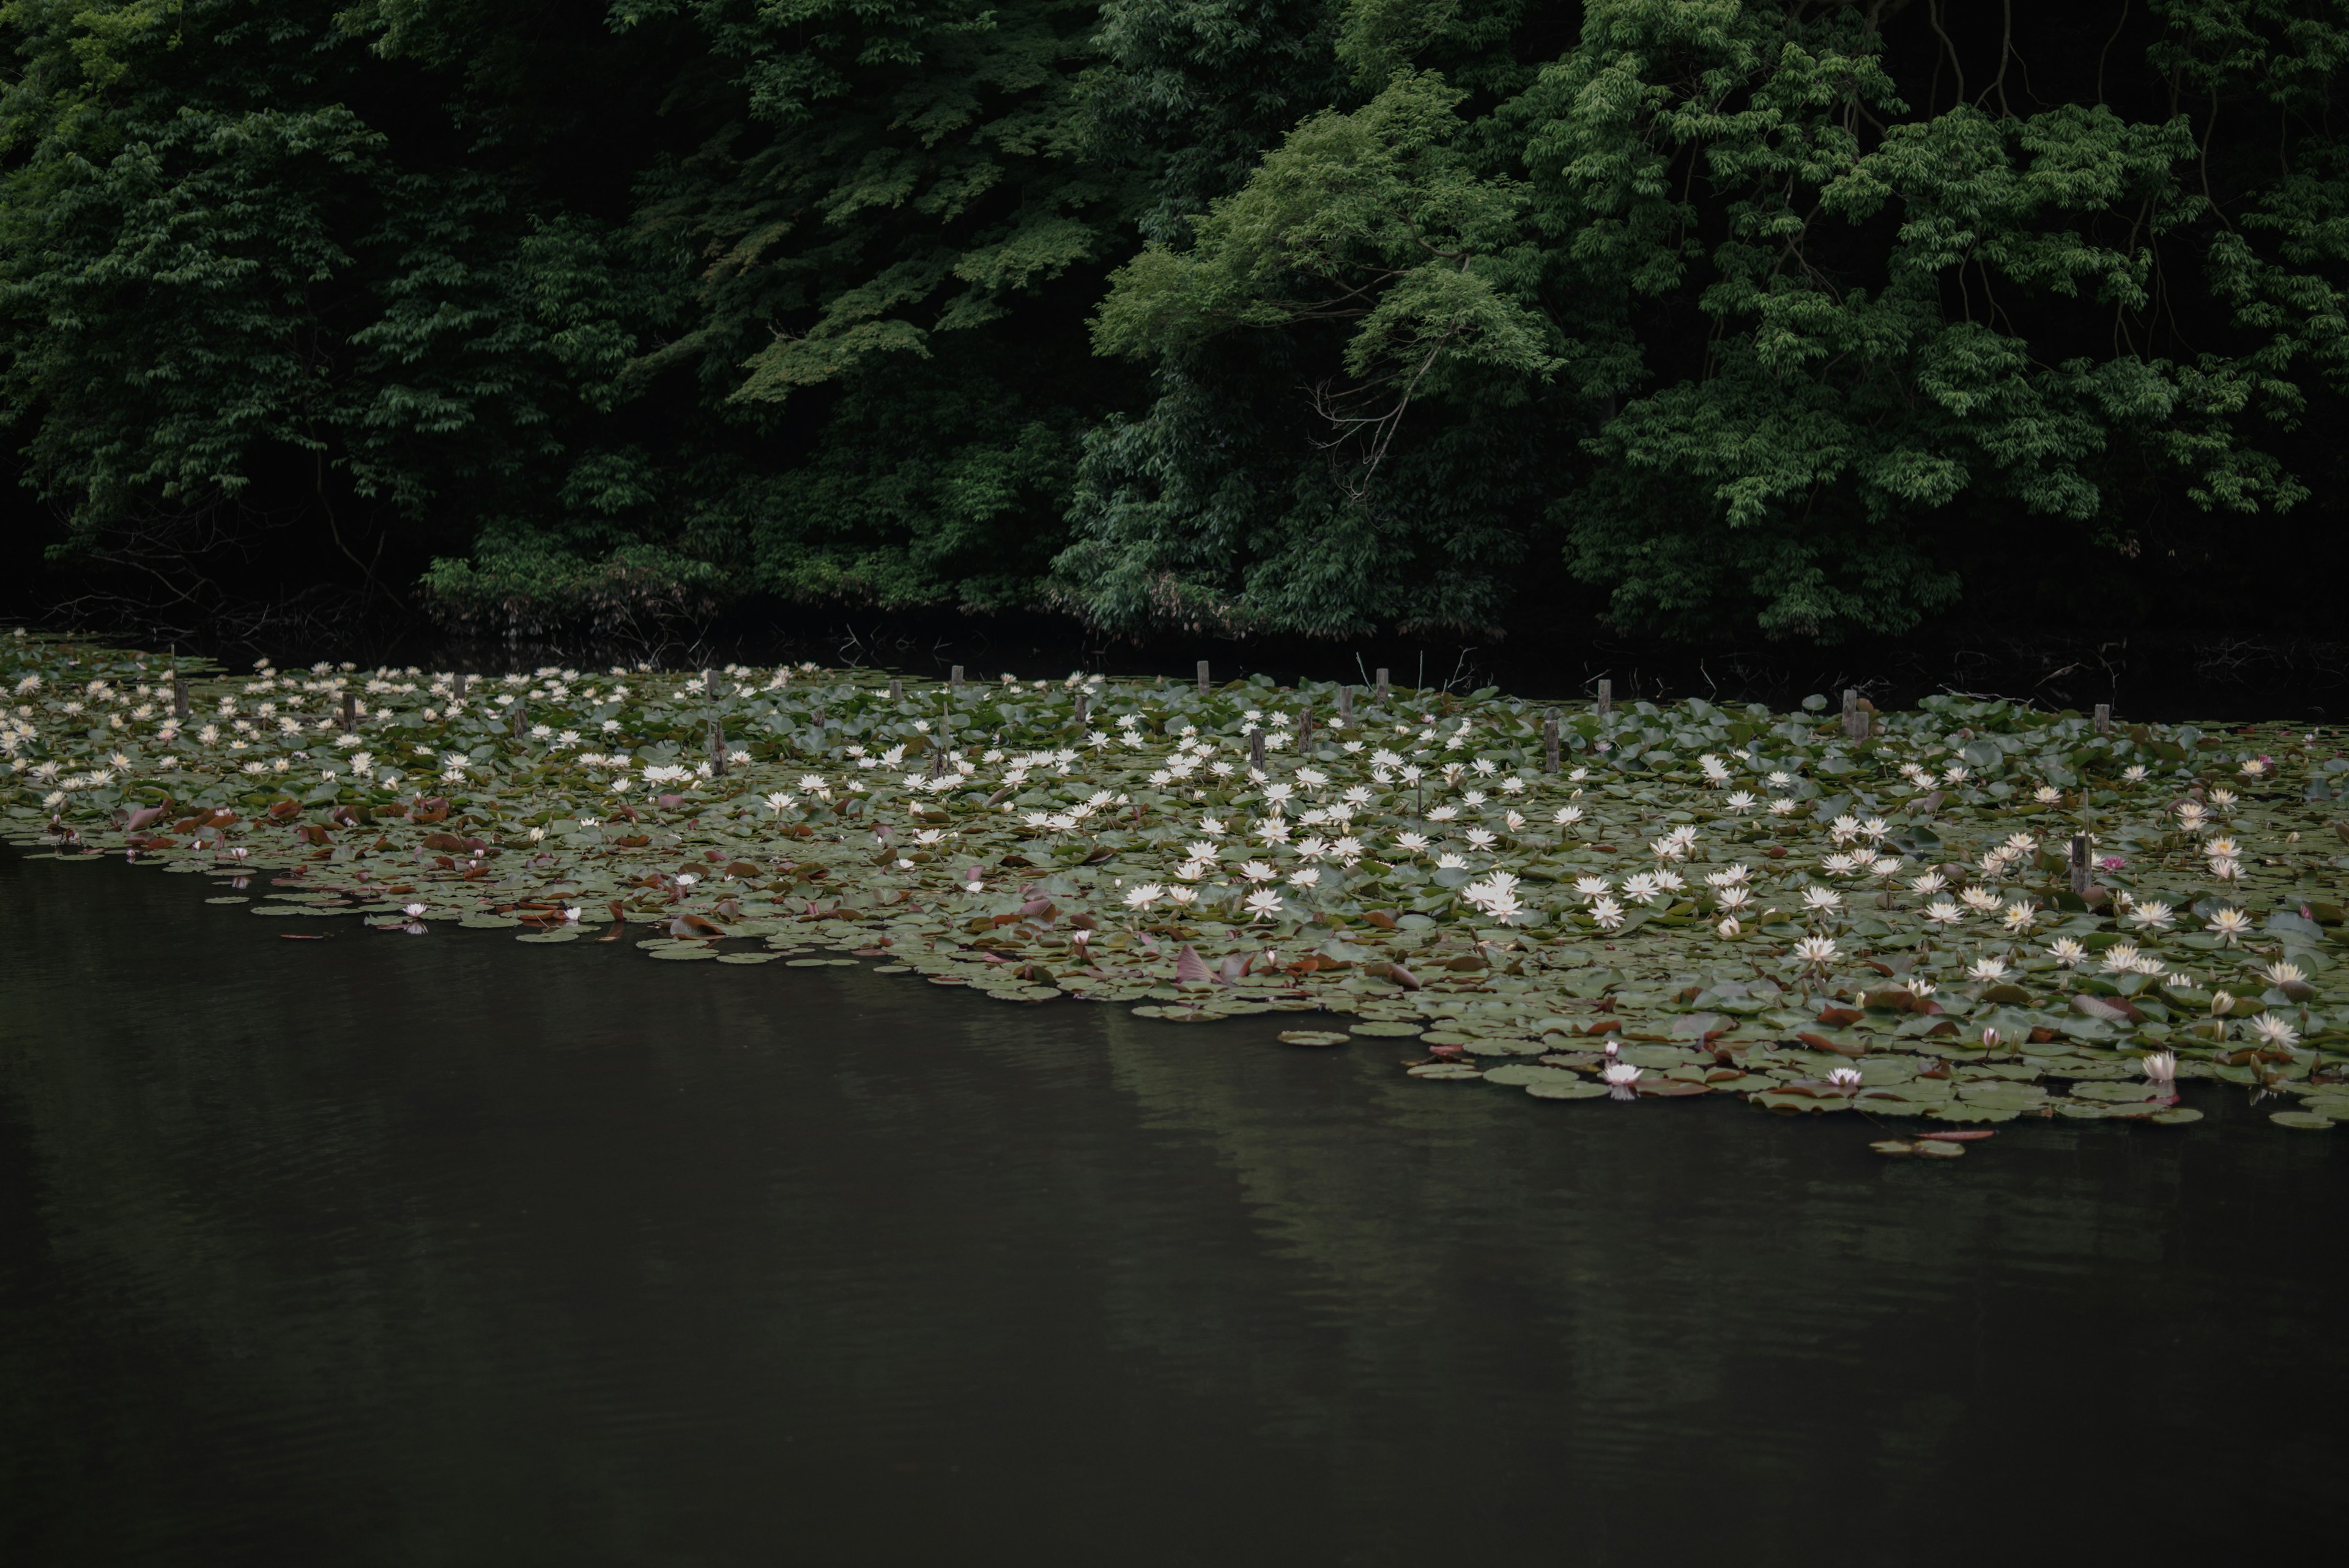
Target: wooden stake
(1606,697)
(1305,733)
(1345,705)
(2080,864)
(1203,677)
(179,698)
(350,712)
(520,715)
(2103,718)
(1256,750)
(1380,696)
(953,679)
(1855,721)
(1549,743)
(1080,709)
(460,686)
(896,692)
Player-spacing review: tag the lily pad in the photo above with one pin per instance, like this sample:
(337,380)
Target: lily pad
(1580,1089)
(1385,1031)
(2305,1121)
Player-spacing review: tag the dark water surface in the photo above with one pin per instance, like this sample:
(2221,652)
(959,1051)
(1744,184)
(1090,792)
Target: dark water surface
(444,1249)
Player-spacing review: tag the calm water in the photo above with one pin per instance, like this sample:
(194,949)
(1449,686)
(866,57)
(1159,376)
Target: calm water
(444,1249)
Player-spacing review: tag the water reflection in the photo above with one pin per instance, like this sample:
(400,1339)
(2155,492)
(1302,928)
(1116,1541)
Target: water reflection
(450,1251)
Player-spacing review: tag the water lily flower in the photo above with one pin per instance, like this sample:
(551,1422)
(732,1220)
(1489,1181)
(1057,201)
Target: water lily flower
(1568,815)
(2153,914)
(2066,951)
(1620,1078)
(2159,1066)
(1739,802)
(1608,913)
(2120,958)
(2284,973)
(1941,912)
(2229,925)
(1981,900)
(1728,926)
(2020,916)
(1815,953)
(2274,1033)
(1258,871)
(1263,904)
(1931,882)
(412,910)
(1843,1078)
(1821,901)
(1987,970)
(1142,895)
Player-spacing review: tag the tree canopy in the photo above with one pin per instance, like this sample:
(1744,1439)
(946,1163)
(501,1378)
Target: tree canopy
(1699,317)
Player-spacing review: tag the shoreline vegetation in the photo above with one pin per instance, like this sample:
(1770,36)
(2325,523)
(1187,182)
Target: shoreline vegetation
(1946,918)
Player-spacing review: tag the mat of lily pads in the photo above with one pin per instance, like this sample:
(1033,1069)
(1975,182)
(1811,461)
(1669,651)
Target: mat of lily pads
(1696,901)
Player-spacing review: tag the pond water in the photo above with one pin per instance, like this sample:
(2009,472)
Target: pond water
(444,1249)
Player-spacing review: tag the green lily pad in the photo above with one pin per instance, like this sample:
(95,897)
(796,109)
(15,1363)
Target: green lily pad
(1580,1089)
(2306,1121)
(1385,1031)
(567,934)
(1521,1075)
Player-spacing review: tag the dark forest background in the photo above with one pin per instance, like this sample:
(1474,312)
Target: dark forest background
(1773,323)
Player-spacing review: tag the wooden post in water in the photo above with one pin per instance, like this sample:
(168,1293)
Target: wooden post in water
(1256,750)
(1345,704)
(937,762)
(460,686)
(1855,721)
(2080,864)
(179,698)
(953,679)
(521,716)
(1082,705)
(350,712)
(717,748)
(896,692)
(2103,718)
(1305,733)
(1381,695)
(1606,697)
(1203,677)
(1550,742)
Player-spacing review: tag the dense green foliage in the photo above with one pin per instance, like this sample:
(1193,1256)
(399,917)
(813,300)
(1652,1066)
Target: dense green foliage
(1696,316)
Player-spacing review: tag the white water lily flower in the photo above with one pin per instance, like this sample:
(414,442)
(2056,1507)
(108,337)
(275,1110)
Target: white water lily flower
(2153,914)
(2066,951)
(1142,895)
(1941,912)
(2274,1033)
(2159,1066)
(1263,904)
(1607,912)
(1987,970)
(1843,1078)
